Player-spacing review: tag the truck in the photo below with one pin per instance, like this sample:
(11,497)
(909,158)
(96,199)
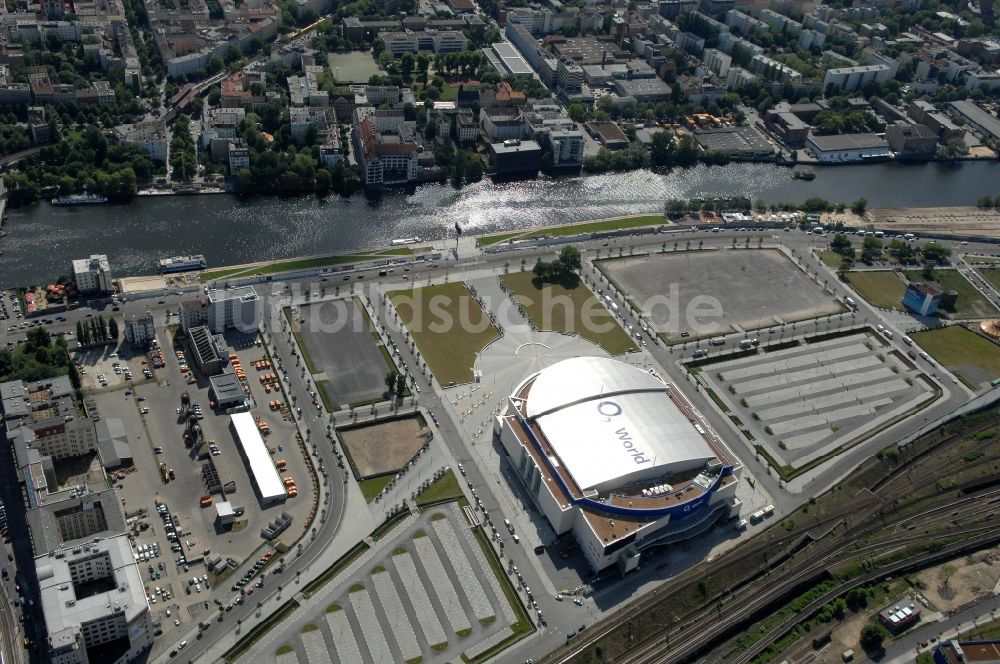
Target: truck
(717,341)
(163,473)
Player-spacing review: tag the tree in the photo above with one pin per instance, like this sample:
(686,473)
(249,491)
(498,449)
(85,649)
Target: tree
(570,258)
(400,384)
(390,381)
(873,636)
(113,329)
(79,332)
(859,206)
(871,250)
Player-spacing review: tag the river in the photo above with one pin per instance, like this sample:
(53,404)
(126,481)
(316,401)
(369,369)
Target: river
(227,229)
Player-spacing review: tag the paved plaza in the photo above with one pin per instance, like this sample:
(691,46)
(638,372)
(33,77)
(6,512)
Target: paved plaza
(343,350)
(805,401)
(430,593)
(751,288)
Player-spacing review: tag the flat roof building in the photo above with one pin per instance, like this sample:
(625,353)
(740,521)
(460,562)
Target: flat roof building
(91,593)
(93,275)
(270,488)
(738,142)
(616,456)
(511,61)
(971,652)
(227,390)
(979,119)
(846,148)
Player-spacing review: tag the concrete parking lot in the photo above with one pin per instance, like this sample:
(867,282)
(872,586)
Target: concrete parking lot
(344,351)
(157,437)
(681,293)
(430,593)
(810,399)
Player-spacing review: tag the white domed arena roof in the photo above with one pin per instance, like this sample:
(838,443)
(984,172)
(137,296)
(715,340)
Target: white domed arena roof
(611,424)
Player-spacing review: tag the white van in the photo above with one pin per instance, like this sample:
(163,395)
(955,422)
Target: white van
(849,301)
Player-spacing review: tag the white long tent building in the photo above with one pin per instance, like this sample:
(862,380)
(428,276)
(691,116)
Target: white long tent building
(255,454)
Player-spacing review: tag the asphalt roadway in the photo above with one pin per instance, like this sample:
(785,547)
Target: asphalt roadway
(315,420)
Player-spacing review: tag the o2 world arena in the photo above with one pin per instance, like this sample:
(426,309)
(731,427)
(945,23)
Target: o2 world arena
(618,457)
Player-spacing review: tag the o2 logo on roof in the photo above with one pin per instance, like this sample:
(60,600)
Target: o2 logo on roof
(609,409)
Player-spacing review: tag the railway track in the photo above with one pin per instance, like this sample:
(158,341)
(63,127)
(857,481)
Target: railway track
(861,517)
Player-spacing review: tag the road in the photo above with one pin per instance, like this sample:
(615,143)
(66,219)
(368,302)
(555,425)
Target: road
(315,420)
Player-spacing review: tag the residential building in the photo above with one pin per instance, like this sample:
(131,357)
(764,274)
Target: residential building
(38,126)
(301,118)
(140,330)
(220,124)
(911,141)
(850,79)
(239,156)
(245,89)
(566,146)
(717,61)
(149,136)
(92,595)
(93,275)
(792,130)
(745,23)
(845,148)
(774,70)
(385,147)
(501,124)
(305,91)
(738,77)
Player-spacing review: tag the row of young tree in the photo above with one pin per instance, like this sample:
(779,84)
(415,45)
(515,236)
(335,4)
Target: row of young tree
(96,331)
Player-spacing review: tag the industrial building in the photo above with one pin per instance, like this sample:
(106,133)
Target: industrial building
(210,351)
(986,124)
(515,157)
(847,148)
(960,652)
(617,457)
(743,142)
(270,488)
(509,60)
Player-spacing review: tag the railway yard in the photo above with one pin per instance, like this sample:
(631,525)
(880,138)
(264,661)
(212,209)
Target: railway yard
(904,510)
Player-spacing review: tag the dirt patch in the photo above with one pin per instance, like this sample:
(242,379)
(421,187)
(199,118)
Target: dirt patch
(958,220)
(384,447)
(962,581)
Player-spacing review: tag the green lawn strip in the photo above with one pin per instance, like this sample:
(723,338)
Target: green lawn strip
(437,516)
(306,357)
(386,526)
(291,265)
(451,352)
(954,346)
(443,490)
(415,660)
(378,569)
(356,588)
(372,486)
(831,258)
(463,633)
(586,315)
(333,608)
(881,288)
(283,650)
(523,626)
(487,240)
(321,386)
(600,225)
(308,627)
(335,569)
(399,551)
(394,251)
(440,647)
(971,302)
(260,630)
(419,533)
(991,275)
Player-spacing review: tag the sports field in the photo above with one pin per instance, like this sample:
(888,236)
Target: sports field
(449,326)
(881,288)
(974,358)
(555,308)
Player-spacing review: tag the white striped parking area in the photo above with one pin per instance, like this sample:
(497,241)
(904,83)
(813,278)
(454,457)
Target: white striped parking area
(415,590)
(364,610)
(395,615)
(481,606)
(343,638)
(442,585)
